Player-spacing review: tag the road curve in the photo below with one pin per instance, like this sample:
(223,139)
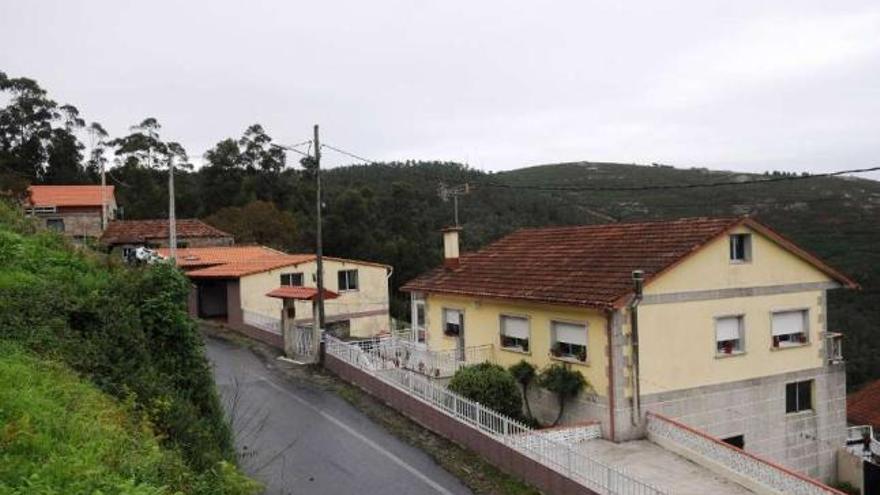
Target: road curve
(300,439)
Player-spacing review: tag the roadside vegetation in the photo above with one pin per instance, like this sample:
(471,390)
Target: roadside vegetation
(127,335)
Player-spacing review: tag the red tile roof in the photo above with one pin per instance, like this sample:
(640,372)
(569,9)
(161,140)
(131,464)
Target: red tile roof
(140,231)
(586,265)
(68,195)
(237,269)
(863,407)
(219,255)
(300,293)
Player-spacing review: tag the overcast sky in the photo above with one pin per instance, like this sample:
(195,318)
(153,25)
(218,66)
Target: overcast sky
(745,85)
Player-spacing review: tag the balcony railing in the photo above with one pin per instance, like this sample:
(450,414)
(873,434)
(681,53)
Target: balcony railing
(834,347)
(860,441)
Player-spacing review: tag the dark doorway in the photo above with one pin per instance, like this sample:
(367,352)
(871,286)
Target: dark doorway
(871,472)
(212,300)
(737,441)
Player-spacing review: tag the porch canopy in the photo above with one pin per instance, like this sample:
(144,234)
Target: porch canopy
(300,293)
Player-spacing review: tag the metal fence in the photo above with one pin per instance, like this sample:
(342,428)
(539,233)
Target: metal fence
(372,356)
(261,321)
(394,352)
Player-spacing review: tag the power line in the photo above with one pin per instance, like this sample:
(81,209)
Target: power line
(676,186)
(293,147)
(348,154)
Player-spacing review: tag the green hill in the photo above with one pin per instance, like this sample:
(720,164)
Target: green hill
(392,213)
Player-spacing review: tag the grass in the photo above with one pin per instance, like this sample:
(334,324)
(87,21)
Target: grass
(468,466)
(60,434)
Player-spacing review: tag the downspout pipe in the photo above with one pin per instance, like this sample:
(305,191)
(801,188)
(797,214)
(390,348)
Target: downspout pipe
(612,405)
(638,277)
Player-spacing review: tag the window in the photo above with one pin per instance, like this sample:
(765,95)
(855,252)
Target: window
(452,322)
(418,319)
(729,335)
(790,328)
(740,248)
(515,333)
(293,279)
(348,280)
(56,224)
(569,340)
(799,396)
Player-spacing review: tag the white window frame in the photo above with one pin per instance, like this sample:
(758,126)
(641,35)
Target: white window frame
(747,248)
(570,357)
(419,332)
(788,344)
(796,384)
(742,335)
(347,288)
(460,322)
(501,336)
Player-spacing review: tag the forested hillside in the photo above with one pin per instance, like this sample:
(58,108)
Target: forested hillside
(392,213)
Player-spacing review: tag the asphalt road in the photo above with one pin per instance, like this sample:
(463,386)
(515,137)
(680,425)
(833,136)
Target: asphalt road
(299,439)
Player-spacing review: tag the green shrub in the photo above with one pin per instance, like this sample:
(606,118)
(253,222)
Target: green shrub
(563,382)
(524,373)
(59,434)
(126,330)
(490,385)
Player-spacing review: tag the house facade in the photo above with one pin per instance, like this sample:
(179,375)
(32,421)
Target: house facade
(233,283)
(77,211)
(717,323)
(124,236)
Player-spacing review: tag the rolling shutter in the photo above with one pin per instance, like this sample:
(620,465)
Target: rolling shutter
(727,328)
(789,322)
(570,333)
(517,328)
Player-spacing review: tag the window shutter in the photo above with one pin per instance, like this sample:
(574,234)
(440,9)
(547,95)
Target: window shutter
(570,333)
(515,327)
(727,328)
(788,322)
(453,317)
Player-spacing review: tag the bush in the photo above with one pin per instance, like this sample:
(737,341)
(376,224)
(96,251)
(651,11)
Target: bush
(524,373)
(563,382)
(126,330)
(490,385)
(59,434)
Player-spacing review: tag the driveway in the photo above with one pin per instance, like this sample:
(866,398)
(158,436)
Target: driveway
(299,439)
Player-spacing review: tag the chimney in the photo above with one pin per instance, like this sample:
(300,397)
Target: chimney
(450,247)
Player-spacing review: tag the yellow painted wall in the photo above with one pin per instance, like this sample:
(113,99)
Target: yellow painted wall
(482,325)
(710,268)
(372,294)
(677,341)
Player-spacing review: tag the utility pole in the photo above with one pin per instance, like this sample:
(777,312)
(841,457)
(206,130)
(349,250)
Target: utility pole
(318,242)
(454,192)
(172,220)
(103,197)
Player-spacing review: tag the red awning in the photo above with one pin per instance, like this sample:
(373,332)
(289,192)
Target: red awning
(300,293)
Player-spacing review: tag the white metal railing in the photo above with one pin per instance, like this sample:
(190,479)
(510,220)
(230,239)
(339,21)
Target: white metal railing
(261,321)
(545,449)
(855,441)
(394,352)
(834,347)
(664,430)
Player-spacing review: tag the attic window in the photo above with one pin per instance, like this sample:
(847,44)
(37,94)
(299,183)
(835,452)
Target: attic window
(740,248)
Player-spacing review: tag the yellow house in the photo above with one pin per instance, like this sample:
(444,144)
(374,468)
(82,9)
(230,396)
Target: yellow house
(232,283)
(719,323)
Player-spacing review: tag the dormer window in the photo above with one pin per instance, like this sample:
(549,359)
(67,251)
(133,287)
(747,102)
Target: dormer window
(740,248)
